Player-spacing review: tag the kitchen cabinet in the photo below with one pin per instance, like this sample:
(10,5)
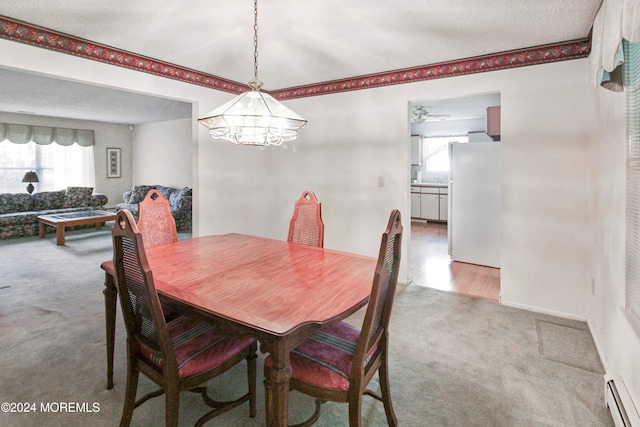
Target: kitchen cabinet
(415,204)
(429,202)
(444,207)
(430,205)
(479,137)
(493,121)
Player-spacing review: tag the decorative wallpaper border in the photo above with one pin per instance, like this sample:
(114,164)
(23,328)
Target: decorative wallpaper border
(23,32)
(499,61)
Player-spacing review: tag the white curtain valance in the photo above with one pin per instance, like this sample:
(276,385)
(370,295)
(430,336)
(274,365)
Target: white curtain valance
(616,20)
(42,135)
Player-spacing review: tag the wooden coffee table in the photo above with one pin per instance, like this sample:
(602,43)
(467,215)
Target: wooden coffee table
(70,219)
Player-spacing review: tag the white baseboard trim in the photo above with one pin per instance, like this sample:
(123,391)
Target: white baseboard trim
(542,310)
(619,402)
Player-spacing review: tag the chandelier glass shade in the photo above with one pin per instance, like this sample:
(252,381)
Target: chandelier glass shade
(254,117)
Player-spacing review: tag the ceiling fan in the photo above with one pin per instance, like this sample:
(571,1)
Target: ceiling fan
(420,115)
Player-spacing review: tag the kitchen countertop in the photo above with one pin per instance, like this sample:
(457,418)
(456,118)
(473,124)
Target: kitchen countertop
(429,184)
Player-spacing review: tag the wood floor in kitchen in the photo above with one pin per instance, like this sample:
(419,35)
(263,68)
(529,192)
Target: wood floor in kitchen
(431,265)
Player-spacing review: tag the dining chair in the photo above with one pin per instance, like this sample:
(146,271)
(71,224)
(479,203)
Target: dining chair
(157,226)
(337,363)
(306,223)
(155,221)
(182,354)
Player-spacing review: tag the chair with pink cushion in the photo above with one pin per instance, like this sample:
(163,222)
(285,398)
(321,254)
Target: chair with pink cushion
(155,221)
(306,224)
(182,354)
(337,363)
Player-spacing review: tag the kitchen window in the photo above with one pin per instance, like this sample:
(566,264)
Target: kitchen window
(436,152)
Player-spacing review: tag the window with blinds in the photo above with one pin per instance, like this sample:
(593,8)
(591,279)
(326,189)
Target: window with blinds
(632,95)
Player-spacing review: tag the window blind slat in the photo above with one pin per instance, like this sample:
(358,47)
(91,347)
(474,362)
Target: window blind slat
(632,99)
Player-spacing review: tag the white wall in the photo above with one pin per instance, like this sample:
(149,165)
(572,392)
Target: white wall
(161,153)
(544,189)
(617,343)
(354,138)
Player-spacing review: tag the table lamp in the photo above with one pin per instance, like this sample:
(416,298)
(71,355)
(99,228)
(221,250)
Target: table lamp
(30,177)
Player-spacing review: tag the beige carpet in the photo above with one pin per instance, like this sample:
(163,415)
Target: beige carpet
(455,360)
(570,345)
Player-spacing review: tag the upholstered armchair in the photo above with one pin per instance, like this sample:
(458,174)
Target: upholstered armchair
(180,202)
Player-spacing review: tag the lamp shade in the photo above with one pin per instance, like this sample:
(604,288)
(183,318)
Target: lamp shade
(253,118)
(30,176)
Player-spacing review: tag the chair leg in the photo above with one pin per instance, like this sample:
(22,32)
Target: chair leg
(267,396)
(383,375)
(130,394)
(251,378)
(355,410)
(172,405)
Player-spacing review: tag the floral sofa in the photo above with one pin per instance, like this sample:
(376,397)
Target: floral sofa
(180,201)
(19,211)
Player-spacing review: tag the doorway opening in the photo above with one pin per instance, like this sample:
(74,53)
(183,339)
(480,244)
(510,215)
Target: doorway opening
(434,125)
(431,266)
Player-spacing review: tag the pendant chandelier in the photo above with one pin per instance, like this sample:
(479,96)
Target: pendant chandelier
(254,117)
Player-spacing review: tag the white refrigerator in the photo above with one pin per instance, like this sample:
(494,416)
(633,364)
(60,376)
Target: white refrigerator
(474,203)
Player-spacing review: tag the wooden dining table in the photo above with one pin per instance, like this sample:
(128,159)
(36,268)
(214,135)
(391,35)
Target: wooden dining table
(278,292)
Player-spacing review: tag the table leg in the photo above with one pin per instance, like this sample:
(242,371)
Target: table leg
(60,234)
(277,389)
(110,294)
(41,229)
(99,225)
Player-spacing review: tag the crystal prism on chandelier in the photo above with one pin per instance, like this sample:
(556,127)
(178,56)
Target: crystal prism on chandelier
(254,117)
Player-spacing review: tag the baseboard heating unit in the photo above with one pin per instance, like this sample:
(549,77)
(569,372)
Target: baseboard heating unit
(619,402)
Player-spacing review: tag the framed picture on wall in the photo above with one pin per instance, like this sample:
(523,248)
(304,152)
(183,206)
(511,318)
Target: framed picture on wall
(113,163)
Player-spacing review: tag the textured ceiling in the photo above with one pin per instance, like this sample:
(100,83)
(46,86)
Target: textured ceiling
(32,94)
(307,42)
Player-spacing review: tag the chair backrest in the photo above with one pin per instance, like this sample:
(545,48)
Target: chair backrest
(155,221)
(141,310)
(385,279)
(306,223)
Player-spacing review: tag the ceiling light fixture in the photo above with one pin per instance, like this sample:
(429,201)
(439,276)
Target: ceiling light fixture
(254,117)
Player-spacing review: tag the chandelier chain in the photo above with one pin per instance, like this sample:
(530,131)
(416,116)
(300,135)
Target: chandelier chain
(254,117)
(255,39)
